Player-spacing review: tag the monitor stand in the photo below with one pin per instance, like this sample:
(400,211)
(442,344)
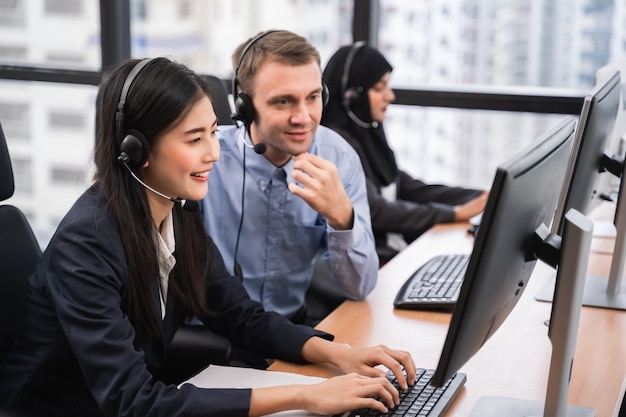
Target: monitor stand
(600,291)
(571,272)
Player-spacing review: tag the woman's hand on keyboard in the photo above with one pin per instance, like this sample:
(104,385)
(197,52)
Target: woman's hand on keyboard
(362,360)
(333,396)
(365,360)
(351,392)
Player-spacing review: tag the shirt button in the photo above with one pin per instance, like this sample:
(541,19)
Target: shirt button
(262,183)
(276,206)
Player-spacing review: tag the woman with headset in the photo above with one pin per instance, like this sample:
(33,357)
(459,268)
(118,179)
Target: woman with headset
(122,272)
(402,207)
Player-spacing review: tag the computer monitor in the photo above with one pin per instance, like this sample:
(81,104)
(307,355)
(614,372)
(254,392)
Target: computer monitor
(520,207)
(588,182)
(589,162)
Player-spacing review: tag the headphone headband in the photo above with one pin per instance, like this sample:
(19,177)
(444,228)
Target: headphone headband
(243,55)
(244,109)
(119,115)
(345,76)
(350,94)
(133,146)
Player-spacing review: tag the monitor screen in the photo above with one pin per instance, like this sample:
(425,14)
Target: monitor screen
(523,197)
(589,179)
(581,189)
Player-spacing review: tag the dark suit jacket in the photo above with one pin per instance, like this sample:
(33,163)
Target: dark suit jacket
(76,356)
(419,206)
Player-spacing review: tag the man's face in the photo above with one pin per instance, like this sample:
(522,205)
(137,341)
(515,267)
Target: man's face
(288,104)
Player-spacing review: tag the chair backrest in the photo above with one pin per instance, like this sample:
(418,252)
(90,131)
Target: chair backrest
(219,98)
(19,255)
(7,185)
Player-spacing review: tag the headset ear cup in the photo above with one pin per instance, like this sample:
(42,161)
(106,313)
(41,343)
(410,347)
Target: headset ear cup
(349,96)
(134,148)
(244,110)
(325,94)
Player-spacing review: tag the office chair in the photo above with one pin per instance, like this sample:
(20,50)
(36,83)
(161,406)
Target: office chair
(322,296)
(19,255)
(219,99)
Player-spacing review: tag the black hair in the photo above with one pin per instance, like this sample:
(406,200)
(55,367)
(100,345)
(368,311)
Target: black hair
(161,95)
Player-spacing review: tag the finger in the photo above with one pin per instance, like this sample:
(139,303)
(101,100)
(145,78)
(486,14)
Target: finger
(398,371)
(300,191)
(407,364)
(382,390)
(316,164)
(372,372)
(309,168)
(311,158)
(401,364)
(394,400)
(304,178)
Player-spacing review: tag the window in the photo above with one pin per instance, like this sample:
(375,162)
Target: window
(15,119)
(67,120)
(23,175)
(66,175)
(12,13)
(63,7)
(203,34)
(12,53)
(527,51)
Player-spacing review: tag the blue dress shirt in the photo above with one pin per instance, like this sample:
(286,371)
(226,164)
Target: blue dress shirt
(281,234)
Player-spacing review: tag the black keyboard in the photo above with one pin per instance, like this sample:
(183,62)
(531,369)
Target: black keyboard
(435,285)
(422,399)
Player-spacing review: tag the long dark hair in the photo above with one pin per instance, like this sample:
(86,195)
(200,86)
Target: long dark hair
(162,94)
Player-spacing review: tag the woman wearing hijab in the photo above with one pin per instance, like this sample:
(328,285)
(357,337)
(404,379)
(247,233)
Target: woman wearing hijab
(402,207)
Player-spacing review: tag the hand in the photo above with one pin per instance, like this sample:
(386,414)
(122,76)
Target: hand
(468,210)
(361,360)
(333,396)
(320,186)
(364,361)
(351,392)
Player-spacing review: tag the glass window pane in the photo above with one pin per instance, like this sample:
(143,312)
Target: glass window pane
(542,43)
(204,33)
(50,33)
(459,147)
(555,43)
(49,130)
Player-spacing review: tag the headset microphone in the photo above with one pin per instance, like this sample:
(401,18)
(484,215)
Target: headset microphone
(259,148)
(188,205)
(360,122)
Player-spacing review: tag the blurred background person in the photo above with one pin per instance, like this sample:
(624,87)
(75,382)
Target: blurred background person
(402,207)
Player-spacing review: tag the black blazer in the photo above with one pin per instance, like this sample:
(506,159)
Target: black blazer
(75,355)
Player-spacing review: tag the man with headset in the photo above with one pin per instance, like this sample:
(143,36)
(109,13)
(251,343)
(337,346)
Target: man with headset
(287,189)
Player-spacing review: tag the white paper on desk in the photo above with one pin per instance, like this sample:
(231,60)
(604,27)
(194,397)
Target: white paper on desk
(216,376)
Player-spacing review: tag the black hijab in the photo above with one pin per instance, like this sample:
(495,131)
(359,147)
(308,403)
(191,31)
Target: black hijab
(367,68)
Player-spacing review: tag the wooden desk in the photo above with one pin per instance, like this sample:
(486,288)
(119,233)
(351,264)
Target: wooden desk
(514,362)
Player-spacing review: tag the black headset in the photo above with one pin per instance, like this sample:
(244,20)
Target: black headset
(133,146)
(244,109)
(350,94)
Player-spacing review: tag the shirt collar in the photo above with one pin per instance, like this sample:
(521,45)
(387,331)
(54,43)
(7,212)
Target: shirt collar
(260,168)
(166,245)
